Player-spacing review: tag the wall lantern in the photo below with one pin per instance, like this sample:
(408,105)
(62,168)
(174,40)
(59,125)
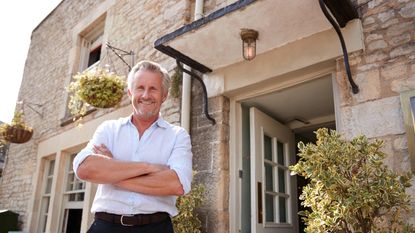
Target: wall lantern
(249,38)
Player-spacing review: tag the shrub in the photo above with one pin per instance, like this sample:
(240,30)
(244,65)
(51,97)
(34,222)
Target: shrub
(350,188)
(187,220)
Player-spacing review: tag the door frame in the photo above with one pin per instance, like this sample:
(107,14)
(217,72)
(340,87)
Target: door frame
(237,98)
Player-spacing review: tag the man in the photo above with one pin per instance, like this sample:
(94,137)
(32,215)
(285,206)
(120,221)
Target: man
(141,162)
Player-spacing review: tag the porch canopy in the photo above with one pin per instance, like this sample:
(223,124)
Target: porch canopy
(214,41)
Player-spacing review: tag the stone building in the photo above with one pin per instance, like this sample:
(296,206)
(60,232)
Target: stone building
(296,83)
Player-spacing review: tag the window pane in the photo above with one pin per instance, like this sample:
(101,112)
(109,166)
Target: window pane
(280,153)
(269,208)
(269,177)
(267,148)
(94,56)
(69,186)
(80,196)
(282,210)
(51,167)
(44,224)
(79,184)
(281,180)
(48,185)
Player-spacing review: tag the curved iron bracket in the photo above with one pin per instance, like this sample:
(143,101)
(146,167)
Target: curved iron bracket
(355,88)
(205,98)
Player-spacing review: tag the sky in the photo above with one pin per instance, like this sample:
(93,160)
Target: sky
(18,18)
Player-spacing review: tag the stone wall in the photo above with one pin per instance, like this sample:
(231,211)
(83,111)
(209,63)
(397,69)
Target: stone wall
(130,25)
(382,71)
(211,159)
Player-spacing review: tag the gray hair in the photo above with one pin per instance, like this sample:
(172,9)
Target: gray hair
(153,67)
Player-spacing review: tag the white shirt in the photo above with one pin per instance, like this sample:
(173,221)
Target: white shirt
(161,143)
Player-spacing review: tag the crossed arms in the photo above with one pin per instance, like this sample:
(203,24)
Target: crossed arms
(140,177)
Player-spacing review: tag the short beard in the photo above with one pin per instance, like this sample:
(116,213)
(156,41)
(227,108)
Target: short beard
(146,115)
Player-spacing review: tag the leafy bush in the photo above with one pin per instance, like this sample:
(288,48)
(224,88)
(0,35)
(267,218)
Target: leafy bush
(97,87)
(350,188)
(187,220)
(176,80)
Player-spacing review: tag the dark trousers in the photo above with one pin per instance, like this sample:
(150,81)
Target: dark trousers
(101,226)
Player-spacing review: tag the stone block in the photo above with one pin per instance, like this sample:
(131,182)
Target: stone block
(408,11)
(376,57)
(378,44)
(402,50)
(400,39)
(215,221)
(372,37)
(394,71)
(404,84)
(220,155)
(400,143)
(373,119)
(385,16)
(368,20)
(399,29)
(202,157)
(369,86)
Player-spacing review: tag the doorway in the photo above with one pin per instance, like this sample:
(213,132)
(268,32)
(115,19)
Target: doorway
(272,125)
(72,221)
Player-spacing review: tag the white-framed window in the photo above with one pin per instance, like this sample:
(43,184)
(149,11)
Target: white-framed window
(276,175)
(46,194)
(73,198)
(91,44)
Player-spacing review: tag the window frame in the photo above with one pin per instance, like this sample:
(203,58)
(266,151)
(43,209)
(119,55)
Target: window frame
(408,111)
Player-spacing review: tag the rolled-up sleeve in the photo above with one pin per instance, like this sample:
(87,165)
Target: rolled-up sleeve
(181,159)
(100,137)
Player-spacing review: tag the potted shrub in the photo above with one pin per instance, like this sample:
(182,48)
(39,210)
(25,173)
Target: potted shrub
(350,189)
(17,131)
(95,87)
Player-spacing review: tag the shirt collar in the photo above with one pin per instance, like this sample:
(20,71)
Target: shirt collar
(160,122)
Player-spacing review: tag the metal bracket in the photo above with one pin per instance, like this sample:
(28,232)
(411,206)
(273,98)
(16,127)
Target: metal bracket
(355,88)
(32,106)
(195,76)
(122,53)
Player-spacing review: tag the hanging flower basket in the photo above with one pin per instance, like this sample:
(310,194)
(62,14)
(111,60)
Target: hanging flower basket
(98,88)
(17,131)
(16,134)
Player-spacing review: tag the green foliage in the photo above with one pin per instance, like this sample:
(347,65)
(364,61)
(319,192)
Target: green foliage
(98,88)
(350,188)
(176,80)
(187,220)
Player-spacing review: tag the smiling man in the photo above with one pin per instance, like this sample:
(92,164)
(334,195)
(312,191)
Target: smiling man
(141,163)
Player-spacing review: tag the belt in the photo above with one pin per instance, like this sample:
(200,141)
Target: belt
(132,220)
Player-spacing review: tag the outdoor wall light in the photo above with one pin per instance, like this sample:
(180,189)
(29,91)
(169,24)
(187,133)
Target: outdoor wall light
(249,38)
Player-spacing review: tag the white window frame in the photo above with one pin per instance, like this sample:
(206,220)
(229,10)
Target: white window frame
(46,196)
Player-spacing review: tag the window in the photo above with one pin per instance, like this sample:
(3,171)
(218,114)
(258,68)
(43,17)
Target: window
(46,194)
(88,55)
(408,110)
(91,44)
(73,198)
(276,175)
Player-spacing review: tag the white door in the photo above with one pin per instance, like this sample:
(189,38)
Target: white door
(273,190)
